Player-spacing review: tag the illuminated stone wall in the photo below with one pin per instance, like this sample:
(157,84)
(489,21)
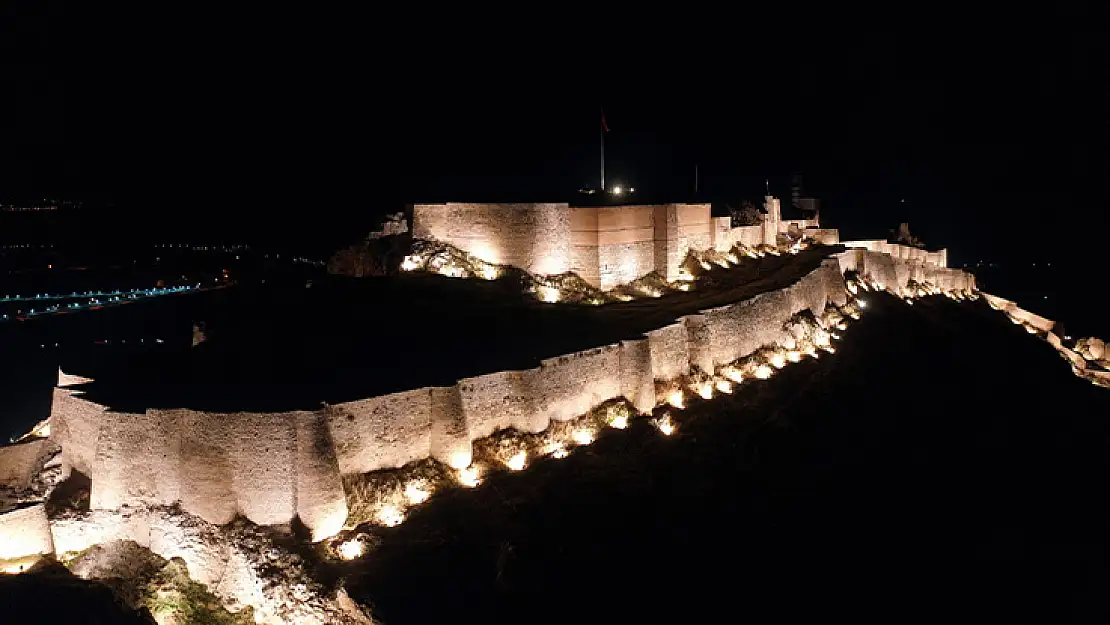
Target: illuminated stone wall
(321,503)
(74,425)
(669,352)
(699,351)
(21,462)
(536,237)
(569,386)
(583,244)
(497,401)
(680,228)
(626,244)
(382,432)
(824,236)
(24,533)
(217,466)
(637,383)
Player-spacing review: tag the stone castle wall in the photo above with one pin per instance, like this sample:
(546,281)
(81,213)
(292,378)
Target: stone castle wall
(680,228)
(24,533)
(271,468)
(535,237)
(607,246)
(219,466)
(21,462)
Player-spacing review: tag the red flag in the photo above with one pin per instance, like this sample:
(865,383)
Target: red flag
(603,124)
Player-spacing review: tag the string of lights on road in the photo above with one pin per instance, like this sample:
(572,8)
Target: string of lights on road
(94,300)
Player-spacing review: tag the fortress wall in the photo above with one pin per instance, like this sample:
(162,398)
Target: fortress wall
(724,235)
(262,448)
(76,532)
(902,272)
(678,229)
(636,379)
(723,340)
(880,267)
(382,432)
(450,439)
(74,423)
(498,401)
(835,290)
(668,351)
(698,341)
(536,237)
(138,459)
(583,244)
(19,463)
(849,260)
(758,322)
(25,533)
(810,293)
(569,386)
(824,236)
(321,502)
(626,248)
(208,472)
(749,235)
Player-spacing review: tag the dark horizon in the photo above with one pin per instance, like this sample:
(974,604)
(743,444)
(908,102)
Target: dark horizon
(987,136)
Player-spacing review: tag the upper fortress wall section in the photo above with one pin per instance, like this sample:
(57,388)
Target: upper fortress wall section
(606,245)
(536,237)
(680,228)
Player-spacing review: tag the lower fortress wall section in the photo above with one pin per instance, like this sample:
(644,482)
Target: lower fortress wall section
(498,401)
(272,468)
(569,386)
(321,502)
(637,381)
(24,533)
(536,237)
(382,432)
(267,467)
(669,352)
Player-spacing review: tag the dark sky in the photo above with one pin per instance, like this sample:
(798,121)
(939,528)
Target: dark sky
(308,123)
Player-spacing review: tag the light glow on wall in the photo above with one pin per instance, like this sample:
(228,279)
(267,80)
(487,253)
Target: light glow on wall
(470,476)
(351,549)
(675,399)
(417,492)
(517,461)
(733,374)
(704,390)
(548,294)
(763,372)
(391,516)
(665,424)
(582,436)
(460,460)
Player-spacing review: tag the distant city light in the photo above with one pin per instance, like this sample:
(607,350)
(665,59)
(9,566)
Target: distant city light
(617,190)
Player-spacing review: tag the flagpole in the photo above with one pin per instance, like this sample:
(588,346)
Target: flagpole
(601,130)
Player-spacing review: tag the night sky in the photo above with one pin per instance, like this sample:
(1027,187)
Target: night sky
(309,125)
